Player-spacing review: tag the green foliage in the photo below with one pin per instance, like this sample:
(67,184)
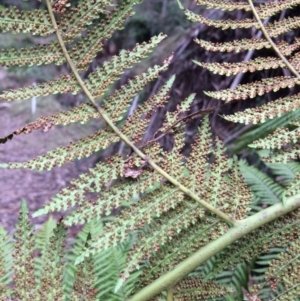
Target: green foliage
(42,268)
(171,203)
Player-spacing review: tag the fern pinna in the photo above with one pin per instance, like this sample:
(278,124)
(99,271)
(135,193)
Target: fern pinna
(178,212)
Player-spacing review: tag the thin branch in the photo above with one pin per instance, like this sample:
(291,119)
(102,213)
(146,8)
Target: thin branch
(276,49)
(123,137)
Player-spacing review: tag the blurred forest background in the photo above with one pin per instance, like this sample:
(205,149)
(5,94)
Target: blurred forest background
(151,18)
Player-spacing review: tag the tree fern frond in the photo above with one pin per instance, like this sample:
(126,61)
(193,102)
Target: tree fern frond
(264,10)
(267,111)
(246,44)
(42,244)
(237,278)
(134,126)
(84,283)
(110,200)
(76,19)
(278,139)
(278,233)
(98,81)
(160,232)
(83,274)
(6,250)
(191,289)
(36,21)
(87,48)
(281,279)
(51,287)
(155,204)
(61,155)
(115,106)
(225,5)
(253,89)
(30,56)
(98,176)
(284,156)
(197,160)
(64,84)
(70,269)
(285,172)
(23,263)
(280,27)
(264,188)
(101,78)
(293,188)
(229,24)
(229,69)
(108,267)
(180,246)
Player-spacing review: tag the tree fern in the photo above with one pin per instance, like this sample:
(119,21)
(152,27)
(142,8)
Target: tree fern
(176,210)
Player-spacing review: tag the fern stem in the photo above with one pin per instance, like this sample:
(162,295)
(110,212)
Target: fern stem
(232,235)
(123,137)
(278,52)
(170,294)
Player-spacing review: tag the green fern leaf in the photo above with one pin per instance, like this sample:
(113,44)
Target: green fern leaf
(76,19)
(23,263)
(36,21)
(6,250)
(265,189)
